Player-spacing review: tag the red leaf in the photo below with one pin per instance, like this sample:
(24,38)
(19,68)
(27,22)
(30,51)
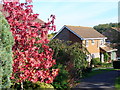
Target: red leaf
(29,63)
(10,0)
(29,1)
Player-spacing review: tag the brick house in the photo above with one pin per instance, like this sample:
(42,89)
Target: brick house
(93,41)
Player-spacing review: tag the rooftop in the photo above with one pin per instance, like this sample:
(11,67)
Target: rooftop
(85,32)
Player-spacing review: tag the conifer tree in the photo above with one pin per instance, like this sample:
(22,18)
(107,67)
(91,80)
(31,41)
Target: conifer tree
(6,42)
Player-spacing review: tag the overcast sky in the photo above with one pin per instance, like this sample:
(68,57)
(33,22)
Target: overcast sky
(77,12)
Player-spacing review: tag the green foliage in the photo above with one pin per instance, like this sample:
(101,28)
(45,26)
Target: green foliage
(51,35)
(117,83)
(103,27)
(106,57)
(73,56)
(66,51)
(44,85)
(95,61)
(108,31)
(78,55)
(61,81)
(28,85)
(60,50)
(105,65)
(6,42)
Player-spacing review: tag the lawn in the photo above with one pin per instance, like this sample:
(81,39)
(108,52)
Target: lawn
(117,83)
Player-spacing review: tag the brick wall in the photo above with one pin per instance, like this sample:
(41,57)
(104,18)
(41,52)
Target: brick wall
(67,35)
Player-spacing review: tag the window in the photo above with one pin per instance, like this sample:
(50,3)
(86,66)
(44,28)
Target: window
(93,42)
(97,44)
(86,43)
(101,42)
(93,56)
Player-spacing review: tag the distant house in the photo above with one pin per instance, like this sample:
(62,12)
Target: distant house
(93,41)
(36,20)
(117,29)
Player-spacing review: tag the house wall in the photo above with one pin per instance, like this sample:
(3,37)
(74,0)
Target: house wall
(67,35)
(63,35)
(93,48)
(74,38)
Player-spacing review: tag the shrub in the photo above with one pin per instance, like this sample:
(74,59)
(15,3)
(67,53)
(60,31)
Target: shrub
(61,81)
(78,56)
(44,85)
(107,65)
(71,55)
(66,51)
(6,42)
(28,85)
(106,57)
(95,61)
(60,50)
(116,64)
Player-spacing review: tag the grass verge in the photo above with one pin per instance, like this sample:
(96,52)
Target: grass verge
(117,83)
(95,72)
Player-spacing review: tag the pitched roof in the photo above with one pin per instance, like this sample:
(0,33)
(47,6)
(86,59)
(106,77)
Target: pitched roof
(85,32)
(115,28)
(108,49)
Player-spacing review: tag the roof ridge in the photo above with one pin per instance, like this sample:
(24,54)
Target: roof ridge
(78,26)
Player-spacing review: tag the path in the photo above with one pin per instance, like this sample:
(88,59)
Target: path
(103,81)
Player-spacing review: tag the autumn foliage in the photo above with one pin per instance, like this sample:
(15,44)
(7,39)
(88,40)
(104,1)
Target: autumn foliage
(32,57)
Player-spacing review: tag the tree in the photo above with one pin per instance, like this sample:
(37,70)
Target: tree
(6,42)
(32,57)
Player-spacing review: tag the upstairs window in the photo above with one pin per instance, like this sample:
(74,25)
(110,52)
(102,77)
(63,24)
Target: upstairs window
(101,42)
(86,43)
(93,42)
(98,44)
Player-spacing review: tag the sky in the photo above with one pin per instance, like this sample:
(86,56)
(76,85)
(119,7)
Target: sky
(86,13)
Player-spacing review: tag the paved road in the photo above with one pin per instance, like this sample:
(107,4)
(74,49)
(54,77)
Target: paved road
(104,81)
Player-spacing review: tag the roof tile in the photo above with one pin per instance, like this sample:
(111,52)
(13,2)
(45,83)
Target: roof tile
(85,32)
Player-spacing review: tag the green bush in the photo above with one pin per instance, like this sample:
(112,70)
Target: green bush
(96,61)
(60,50)
(44,85)
(78,56)
(73,56)
(6,42)
(106,57)
(28,85)
(61,81)
(107,65)
(66,51)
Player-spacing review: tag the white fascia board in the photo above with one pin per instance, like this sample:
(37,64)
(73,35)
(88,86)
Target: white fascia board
(94,38)
(112,50)
(58,32)
(69,30)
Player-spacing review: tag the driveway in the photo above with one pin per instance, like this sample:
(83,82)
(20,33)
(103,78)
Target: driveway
(103,81)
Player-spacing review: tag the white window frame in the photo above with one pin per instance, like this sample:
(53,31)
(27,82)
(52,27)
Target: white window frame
(86,43)
(93,42)
(101,42)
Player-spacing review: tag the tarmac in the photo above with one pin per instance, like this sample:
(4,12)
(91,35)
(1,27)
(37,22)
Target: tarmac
(103,81)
